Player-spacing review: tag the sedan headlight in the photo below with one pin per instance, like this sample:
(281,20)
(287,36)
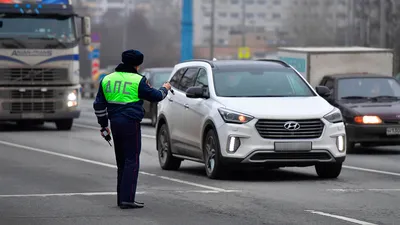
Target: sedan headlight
(230,116)
(335,116)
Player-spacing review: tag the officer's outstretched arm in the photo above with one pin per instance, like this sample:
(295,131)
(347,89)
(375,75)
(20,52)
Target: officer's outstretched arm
(151,94)
(100,107)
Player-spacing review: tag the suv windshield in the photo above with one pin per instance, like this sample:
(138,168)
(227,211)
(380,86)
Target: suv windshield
(352,88)
(259,81)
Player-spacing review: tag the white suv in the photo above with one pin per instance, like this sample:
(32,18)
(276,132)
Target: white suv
(233,113)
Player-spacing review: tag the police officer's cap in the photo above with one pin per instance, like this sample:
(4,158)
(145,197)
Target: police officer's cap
(132,57)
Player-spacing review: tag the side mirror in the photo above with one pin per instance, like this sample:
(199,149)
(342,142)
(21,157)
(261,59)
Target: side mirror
(86,28)
(87,40)
(323,91)
(197,92)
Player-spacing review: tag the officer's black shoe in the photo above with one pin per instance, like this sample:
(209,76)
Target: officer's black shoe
(130,205)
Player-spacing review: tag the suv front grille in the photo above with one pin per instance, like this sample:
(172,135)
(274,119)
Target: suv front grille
(274,129)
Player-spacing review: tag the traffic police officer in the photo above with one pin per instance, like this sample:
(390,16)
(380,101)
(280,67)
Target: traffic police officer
(120,100)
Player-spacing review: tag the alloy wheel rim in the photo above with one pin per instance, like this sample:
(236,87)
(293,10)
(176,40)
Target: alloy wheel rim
(164,146)
(210,149)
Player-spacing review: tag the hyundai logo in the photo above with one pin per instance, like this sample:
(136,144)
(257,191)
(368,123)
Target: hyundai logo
(291,125)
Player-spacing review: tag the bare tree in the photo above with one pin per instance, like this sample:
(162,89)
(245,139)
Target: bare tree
(312,25)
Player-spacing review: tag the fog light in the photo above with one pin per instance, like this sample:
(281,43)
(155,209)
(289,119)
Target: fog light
(233,144)
(340,143)
(72,103)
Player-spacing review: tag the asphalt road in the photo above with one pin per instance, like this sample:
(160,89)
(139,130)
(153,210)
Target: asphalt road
(68,177)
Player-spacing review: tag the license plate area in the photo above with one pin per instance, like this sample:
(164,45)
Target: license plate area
(391,131)
(292,146)
(32,116)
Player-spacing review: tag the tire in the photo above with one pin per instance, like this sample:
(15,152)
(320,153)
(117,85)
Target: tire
(165,158)
(350,146)
(65,124)
(212,156)
(328,170)
(154,115)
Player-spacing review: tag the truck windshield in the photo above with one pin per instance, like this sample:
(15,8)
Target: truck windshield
(36,32)
(365,88)
(259,81)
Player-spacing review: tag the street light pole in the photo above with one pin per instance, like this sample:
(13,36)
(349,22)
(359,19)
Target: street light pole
(243,23)
(383,23)
(212,22)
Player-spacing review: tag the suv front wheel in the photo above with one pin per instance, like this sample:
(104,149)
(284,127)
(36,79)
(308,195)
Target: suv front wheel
(328,170)
(166,159)
(212,161)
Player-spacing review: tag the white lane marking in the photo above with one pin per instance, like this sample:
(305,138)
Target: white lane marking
(103,193)
(372,170)
(362,189)
(110,166)
(97,128)
(344,166)
(341,217)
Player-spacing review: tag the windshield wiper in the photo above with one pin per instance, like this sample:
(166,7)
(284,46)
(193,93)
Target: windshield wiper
(51,38)
(355,97)
(18,42)
(385,96)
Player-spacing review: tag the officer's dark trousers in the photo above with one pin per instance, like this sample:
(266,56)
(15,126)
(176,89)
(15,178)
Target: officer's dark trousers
(127,144)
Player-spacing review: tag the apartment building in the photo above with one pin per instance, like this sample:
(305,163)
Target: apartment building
(266,21)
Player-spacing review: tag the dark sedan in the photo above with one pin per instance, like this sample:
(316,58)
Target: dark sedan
(156,77)
(370,105)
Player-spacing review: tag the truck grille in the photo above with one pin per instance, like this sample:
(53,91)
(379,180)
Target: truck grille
(24,107)
(275,129)
(32,94)
(32,75)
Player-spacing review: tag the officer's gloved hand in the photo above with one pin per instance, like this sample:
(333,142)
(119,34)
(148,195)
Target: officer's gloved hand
(105,131)
(167,86)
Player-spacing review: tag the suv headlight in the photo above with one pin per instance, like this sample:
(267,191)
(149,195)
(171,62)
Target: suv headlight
(230,116)
(335,116)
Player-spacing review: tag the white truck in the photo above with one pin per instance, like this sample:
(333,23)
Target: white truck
(360,82)
(316,62)
(39,61)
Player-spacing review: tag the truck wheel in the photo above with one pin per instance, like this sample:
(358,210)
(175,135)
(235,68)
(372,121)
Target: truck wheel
(328,170)
(212,154)
(64,124)
(165,158)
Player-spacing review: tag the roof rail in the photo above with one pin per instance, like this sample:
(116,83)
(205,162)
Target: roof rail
(201,60)
(275,60)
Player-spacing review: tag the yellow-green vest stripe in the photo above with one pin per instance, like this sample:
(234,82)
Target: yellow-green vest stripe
(121,87)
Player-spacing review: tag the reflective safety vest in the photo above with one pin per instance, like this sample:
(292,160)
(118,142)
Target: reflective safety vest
(121,87)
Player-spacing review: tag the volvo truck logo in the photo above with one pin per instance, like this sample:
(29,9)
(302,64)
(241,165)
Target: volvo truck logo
(291,125)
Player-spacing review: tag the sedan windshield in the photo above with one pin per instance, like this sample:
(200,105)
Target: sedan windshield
(159,78)
(259,81)
(365,88)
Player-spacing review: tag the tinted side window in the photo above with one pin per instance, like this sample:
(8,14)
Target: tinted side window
(202,78)
(188,79)
(177,77)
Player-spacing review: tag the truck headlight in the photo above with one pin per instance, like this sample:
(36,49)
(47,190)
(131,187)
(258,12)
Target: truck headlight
(230,116)
(72,99)
(335,116)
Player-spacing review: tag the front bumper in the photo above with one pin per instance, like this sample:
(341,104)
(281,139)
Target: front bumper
(38,103)
(374,134)
(254,149)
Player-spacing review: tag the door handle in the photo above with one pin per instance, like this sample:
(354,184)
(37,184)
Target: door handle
(170,99)
(186,106)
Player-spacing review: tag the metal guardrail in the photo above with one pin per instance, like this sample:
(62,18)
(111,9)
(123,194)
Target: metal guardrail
(89,88)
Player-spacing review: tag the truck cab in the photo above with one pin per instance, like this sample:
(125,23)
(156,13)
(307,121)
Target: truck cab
(39,62)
